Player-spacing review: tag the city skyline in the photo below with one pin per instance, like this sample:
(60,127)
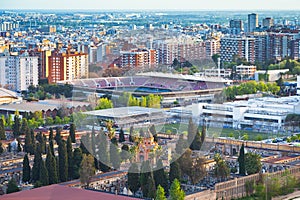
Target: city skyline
(153,5)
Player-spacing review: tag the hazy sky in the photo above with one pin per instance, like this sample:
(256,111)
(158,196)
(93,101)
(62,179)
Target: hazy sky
(153,4)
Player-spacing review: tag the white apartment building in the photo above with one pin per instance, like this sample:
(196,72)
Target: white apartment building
(214,72)
(18,72)
(262,114)
(246,71)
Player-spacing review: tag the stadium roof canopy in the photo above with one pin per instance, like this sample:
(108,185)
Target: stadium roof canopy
(185,77)
(124,112)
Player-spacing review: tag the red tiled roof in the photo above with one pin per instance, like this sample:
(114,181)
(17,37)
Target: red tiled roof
(59,192)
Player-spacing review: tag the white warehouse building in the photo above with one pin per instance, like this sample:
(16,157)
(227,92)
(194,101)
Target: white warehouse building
(261,114)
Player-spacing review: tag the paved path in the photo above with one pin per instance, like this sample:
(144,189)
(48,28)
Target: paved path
(294,195)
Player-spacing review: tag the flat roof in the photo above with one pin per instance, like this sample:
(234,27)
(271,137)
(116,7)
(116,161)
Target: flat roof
(123,112)
(59,192)
(41,105)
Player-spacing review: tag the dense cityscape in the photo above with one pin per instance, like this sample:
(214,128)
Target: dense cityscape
(148,104)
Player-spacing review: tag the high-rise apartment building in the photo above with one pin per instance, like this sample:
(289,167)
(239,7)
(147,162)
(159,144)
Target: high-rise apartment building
(139,58)
(236,26)
(295,49)
(212,46)
(183,49)
(268,22)
(67,66)
(242,47)
(18,72)
(252,22)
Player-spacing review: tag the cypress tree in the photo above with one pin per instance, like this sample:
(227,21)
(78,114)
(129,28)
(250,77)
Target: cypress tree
(16,126)
(115,157)
(160,176)
(44,178)
(58,136)
(70,158)
(151,189)
(24,127)
(28,143)
(2,130)
(63,161)
(103,152)
(51,141)
(133,178)
(121,136)
(36,164)
(153,132)
(72,132)
(77,158)
(192,131)
(131,134)
(51,167)
(203,134)
(175,172)
(144,177)
(160,193)
(26,169)
(12,186)
(176,193)
(241,160)
(196,143)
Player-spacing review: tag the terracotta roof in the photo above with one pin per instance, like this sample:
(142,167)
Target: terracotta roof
(59,192)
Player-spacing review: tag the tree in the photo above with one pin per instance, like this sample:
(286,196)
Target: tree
(51,167)
(121,136)
(103,152)
(176,193)
(77,158)
(197,142)
(181,145)
(146,172)
(221,169)
(16,125)
(133,178)
(153,132)
(151,190)
(192,167)
(12,186)
(241,160)
(160,176)
(104,103)
(36,164)
(24,127)
(125,152)
(63,161)
(160,193)
(57,137)
(44,177)
(29,148)
(115,157)
(70,158)
(131,130)
(26,169)
(175,172)
(252,163)
(192,130)
(87,169)
(51,146)
(1,148)
(2,129)
(72,132)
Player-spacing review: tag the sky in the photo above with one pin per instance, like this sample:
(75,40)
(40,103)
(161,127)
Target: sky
(153,4)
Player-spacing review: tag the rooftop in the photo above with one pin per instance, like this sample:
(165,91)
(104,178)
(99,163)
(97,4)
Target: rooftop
(41,105)
(123,112)
(59,192)
(7,93)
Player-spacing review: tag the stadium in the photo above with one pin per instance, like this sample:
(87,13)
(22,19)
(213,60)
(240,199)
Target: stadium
(164,84)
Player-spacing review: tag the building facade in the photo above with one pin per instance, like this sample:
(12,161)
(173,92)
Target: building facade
(67,66)
(139,58)
(18,72)
(236,26)
(241,47)
(252,22)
